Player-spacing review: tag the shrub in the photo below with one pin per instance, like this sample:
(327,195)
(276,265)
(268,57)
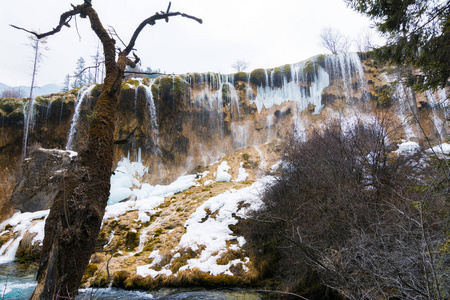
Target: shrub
(346,214)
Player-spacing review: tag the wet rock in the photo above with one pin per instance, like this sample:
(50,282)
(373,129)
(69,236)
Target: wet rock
(42,174)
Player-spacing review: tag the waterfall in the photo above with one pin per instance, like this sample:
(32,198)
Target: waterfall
(249,91)
(271,127)
(151,107)
(154,126)
(83,93)
(438,123)
(405,107)
(309,79)
(296,90)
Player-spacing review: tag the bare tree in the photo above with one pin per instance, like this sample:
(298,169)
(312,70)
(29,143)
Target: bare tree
(240,65)
(72,227)
(12,93)
(349,212)
(36,45)
(98,62)
(334,41)
(364,41)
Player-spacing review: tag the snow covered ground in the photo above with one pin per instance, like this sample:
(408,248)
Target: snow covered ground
(208,228)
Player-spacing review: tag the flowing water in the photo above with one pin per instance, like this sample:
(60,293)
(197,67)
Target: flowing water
(83,93)
(17,283)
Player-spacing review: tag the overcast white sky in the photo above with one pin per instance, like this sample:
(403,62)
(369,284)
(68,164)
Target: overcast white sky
(265,33)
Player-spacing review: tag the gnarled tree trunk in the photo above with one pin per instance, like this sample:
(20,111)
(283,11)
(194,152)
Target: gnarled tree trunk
(72,227)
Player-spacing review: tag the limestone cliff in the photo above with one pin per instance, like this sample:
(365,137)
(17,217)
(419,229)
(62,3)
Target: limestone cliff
(211,126)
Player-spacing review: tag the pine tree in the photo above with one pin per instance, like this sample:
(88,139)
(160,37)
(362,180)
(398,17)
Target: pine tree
(66,84)
(418,34)
(78,74)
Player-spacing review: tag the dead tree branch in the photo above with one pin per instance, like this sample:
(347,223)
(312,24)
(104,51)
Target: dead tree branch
(152,21)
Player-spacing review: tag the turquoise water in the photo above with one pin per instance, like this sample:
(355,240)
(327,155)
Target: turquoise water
(17,282)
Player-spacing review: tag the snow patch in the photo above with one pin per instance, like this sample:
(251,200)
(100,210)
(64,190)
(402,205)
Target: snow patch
(213,232)
(407,148)
(222,172)
(443,148)
(243,175)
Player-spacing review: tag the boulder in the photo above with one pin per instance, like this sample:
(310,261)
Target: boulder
(42,174)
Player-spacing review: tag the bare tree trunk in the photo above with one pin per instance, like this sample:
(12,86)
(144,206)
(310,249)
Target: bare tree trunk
(73,224)
(29,111)
(72,227)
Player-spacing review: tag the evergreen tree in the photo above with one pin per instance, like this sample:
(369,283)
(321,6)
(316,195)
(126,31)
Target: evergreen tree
(80,77)
(66,84)
(418,33)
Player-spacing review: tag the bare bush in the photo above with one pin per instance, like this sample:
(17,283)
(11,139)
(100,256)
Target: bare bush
(334,41)
(240,65)
(355,217)
(12,93)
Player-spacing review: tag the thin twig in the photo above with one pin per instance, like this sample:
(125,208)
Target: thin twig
(280,292)
(113,32)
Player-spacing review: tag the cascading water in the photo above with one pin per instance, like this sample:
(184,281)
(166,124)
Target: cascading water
(438,123)
(154,126)
(308,80)
(61,110)
(151,107)
(444,102)
(249,92)
(405,106)
(83,93)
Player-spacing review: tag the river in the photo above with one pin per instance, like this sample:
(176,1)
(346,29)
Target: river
(17,282)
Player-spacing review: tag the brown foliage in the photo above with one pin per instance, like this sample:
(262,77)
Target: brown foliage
(349,215)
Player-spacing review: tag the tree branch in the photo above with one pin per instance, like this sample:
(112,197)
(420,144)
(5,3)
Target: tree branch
(152,21)
(64,20)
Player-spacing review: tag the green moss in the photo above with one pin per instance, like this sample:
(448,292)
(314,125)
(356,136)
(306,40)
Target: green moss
(102,238)
(75,91)
(101,280)
(158,232)
(90,270)
(41,100)
(240,76)
(178,262)
(119,278)
(310,70)
(258,77)
(133,82)
(245,156)
(151,244)
(310,66)
(131,240)
(10,106)
(321,60)
(226,97)
(97,90)
(171,87)
(280,73)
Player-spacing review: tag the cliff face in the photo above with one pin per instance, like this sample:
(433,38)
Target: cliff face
(210,125)
(175,124)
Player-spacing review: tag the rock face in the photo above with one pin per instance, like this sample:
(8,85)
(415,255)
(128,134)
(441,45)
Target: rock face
(174,124)
(42,178)
(225,130)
